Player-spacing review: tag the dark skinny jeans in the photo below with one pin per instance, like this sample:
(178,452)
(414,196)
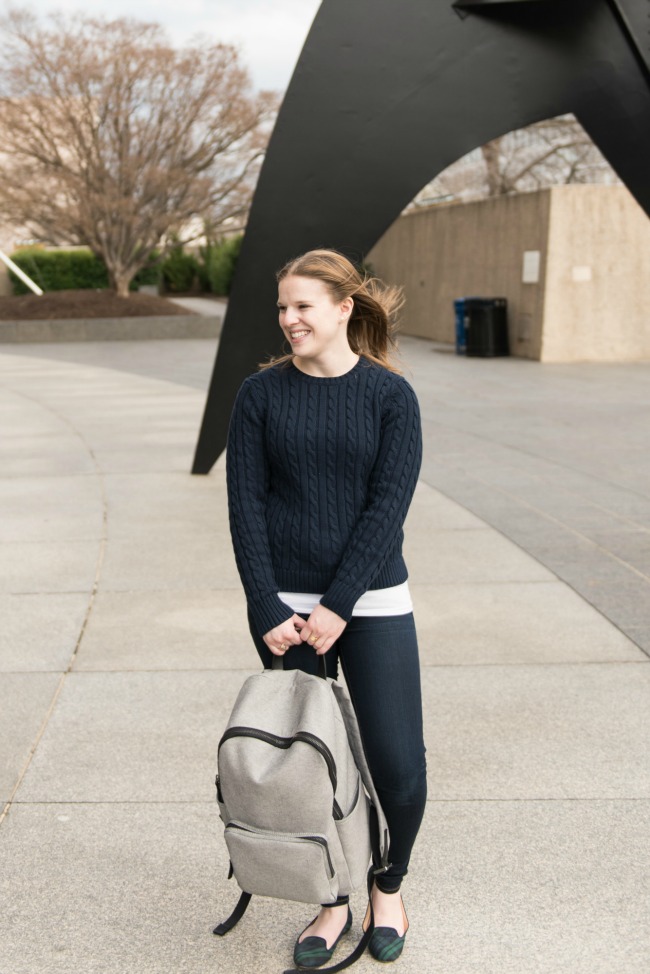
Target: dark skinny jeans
(379,657)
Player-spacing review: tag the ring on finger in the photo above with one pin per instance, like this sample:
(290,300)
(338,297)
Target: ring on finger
(314,639)
(283,647)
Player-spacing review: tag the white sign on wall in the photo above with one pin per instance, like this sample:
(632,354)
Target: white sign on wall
(581,274)
(532,261)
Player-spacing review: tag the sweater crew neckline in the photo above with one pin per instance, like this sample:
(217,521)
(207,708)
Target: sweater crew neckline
(328,379)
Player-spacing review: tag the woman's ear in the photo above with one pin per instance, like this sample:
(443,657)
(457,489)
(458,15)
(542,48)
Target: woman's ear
(346,307)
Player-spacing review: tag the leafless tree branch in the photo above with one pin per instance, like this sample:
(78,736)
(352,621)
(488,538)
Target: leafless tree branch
(547,153)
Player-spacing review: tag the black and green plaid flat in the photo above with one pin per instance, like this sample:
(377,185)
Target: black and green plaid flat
(313,951)
(386,944)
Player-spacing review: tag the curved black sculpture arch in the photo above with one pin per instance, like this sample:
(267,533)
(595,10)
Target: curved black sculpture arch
(387,94)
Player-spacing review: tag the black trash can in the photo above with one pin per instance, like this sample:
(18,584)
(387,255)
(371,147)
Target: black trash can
(486,327)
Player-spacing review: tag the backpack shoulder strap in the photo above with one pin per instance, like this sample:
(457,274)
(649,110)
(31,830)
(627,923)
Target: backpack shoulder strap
(235,916)
(378,825)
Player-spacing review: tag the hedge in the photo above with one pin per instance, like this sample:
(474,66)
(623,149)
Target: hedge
(149,274)
(58,270)
(62,270)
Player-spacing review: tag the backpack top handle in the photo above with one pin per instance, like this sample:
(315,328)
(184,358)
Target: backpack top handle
(278,664)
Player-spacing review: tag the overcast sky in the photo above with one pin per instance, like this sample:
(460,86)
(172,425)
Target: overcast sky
(269,33)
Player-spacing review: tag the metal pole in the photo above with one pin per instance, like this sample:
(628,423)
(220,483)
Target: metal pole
(21,274)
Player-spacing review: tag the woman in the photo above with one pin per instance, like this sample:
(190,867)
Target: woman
(323,456)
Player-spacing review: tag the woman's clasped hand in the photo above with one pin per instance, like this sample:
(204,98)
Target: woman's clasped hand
(320,630)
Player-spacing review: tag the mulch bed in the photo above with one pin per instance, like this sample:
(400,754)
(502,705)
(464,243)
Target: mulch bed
(84,304)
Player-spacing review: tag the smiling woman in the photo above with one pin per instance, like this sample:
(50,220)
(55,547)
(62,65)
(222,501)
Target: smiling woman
(316,326)
(323,456)
(331,315)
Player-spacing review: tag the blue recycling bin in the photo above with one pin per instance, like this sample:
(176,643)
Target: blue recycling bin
(461,335)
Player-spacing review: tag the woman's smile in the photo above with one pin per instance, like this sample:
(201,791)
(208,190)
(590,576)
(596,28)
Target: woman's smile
(296,335)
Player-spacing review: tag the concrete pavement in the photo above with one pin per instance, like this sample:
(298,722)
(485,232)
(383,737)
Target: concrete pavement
(124,643)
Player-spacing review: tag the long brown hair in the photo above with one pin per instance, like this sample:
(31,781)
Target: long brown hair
(375,313)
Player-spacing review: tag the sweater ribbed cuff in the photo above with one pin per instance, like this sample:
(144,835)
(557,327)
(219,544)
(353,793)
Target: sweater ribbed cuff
(341,598)
(269,612)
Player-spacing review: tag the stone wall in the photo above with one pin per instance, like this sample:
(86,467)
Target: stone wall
(141,328)
(572,262)
(597,302)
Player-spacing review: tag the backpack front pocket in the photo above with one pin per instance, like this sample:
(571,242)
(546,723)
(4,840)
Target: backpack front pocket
(280,864)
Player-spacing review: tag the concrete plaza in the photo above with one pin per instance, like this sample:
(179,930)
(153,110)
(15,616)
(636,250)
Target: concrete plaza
(123,644)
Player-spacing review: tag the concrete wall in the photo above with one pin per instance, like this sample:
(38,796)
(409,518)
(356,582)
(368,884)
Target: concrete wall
(591,300)
(597,305)
(110,329)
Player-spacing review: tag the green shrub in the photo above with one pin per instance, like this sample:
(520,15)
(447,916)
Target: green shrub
(202,265)
(179,270)
(221,263)
(149,274)
(58,270)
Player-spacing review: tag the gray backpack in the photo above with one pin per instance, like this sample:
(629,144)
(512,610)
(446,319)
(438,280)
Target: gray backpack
(301,816)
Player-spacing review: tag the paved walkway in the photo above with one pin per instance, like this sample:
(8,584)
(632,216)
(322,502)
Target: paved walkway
(123,644)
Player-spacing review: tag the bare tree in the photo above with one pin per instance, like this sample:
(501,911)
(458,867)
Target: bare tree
(547,153)
(491,153)
(113,139)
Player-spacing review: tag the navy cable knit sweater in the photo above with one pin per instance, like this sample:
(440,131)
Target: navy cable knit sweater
(321,472)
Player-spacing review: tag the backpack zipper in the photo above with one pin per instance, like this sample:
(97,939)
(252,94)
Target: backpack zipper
(289,837)
(285,742)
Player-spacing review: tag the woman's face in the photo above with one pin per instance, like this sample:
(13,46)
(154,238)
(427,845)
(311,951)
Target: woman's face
(313,323)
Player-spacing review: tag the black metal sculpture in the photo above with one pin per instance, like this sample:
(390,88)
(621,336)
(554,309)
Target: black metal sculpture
(387,94)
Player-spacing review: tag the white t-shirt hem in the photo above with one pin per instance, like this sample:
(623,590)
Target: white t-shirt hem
(393,601)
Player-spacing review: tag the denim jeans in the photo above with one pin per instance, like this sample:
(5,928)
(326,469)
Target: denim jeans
(379,658)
